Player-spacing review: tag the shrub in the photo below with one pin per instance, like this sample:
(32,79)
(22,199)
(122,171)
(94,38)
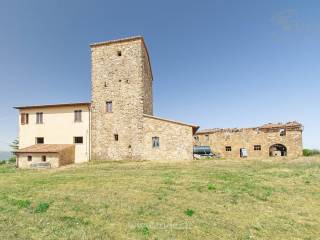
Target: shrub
(211,187)
(310,152)
(2,162)
(20,203)
(144,230)
(41,207)
(12,159)
(189,212)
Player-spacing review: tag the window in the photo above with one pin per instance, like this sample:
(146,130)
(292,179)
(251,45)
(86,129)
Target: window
(116,137)
(39,140)
(44,158)
(228,149)
(77,116)
(78,140)
(257,147)
(29,158)
(196,138)
(207,137)
(109,107)
(282,132)
(155,142)
(24,118)
(119,53)
(39,118)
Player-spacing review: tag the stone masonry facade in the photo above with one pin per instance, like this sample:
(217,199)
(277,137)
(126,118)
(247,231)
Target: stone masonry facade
(118,123)
(174,139)
(260,142)
(122,77)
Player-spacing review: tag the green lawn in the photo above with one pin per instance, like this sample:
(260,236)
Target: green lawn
(212,199)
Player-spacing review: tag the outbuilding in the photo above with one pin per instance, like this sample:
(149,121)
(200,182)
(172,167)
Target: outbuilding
(45,156)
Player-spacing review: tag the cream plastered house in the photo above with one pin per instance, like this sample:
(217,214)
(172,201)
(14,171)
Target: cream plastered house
(59,124)
(118,123)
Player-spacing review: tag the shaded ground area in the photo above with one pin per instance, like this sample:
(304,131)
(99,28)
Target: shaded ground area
(220,199)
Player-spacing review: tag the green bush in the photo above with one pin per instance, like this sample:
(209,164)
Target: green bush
(189,212)
(12,159)
(310,152)
(42,207)
(2,162)
(211,186)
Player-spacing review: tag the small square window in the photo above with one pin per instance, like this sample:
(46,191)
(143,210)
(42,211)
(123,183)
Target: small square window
(228,149)
(29,158)
(196,138)
(44,158)
(116,137)
(109,107)
(78,140)
(282,132)
(207,137)
(155,142)
(119,53)
(257,147)
(39,140)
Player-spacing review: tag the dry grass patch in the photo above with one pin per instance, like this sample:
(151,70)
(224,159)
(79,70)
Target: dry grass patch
(214,199)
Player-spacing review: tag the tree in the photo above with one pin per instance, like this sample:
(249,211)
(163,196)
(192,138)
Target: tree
(15,145)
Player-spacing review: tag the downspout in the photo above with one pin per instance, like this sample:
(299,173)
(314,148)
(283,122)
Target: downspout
(89,108)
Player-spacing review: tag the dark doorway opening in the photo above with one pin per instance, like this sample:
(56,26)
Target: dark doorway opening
(277,150)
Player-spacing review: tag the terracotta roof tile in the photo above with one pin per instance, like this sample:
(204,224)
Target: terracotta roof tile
(45,148)
(55,105)
(288,125)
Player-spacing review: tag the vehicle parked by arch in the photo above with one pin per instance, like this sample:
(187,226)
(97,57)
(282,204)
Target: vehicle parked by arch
(277,150)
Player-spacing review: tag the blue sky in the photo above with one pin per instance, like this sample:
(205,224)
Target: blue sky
(216,63)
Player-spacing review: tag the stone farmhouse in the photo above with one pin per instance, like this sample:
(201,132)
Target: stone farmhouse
(118,123)
(269,140)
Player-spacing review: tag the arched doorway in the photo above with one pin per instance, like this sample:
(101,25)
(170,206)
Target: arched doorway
(277,150)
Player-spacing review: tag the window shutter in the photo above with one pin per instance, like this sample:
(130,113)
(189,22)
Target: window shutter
(23,118)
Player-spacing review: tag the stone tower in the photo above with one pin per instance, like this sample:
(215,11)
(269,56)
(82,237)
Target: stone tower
(121,94)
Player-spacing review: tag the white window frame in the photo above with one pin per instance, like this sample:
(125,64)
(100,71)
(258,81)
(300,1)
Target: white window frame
(39,118)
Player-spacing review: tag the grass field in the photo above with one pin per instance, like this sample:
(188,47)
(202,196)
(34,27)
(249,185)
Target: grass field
(212,199)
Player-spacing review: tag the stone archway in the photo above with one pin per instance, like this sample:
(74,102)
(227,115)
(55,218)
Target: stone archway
(276,150)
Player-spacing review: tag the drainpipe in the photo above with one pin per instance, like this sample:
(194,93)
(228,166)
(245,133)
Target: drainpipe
(89,108)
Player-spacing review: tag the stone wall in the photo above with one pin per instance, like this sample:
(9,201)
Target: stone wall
(124,80)
(176,140)
(247,138)
(147,78)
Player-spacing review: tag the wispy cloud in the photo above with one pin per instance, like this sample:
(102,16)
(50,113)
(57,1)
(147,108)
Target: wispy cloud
(286,20)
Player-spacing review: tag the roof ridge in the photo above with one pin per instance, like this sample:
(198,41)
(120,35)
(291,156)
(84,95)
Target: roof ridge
(170,120)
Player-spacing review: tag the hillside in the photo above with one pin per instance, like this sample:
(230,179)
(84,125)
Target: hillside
(144,200)
(5,155)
